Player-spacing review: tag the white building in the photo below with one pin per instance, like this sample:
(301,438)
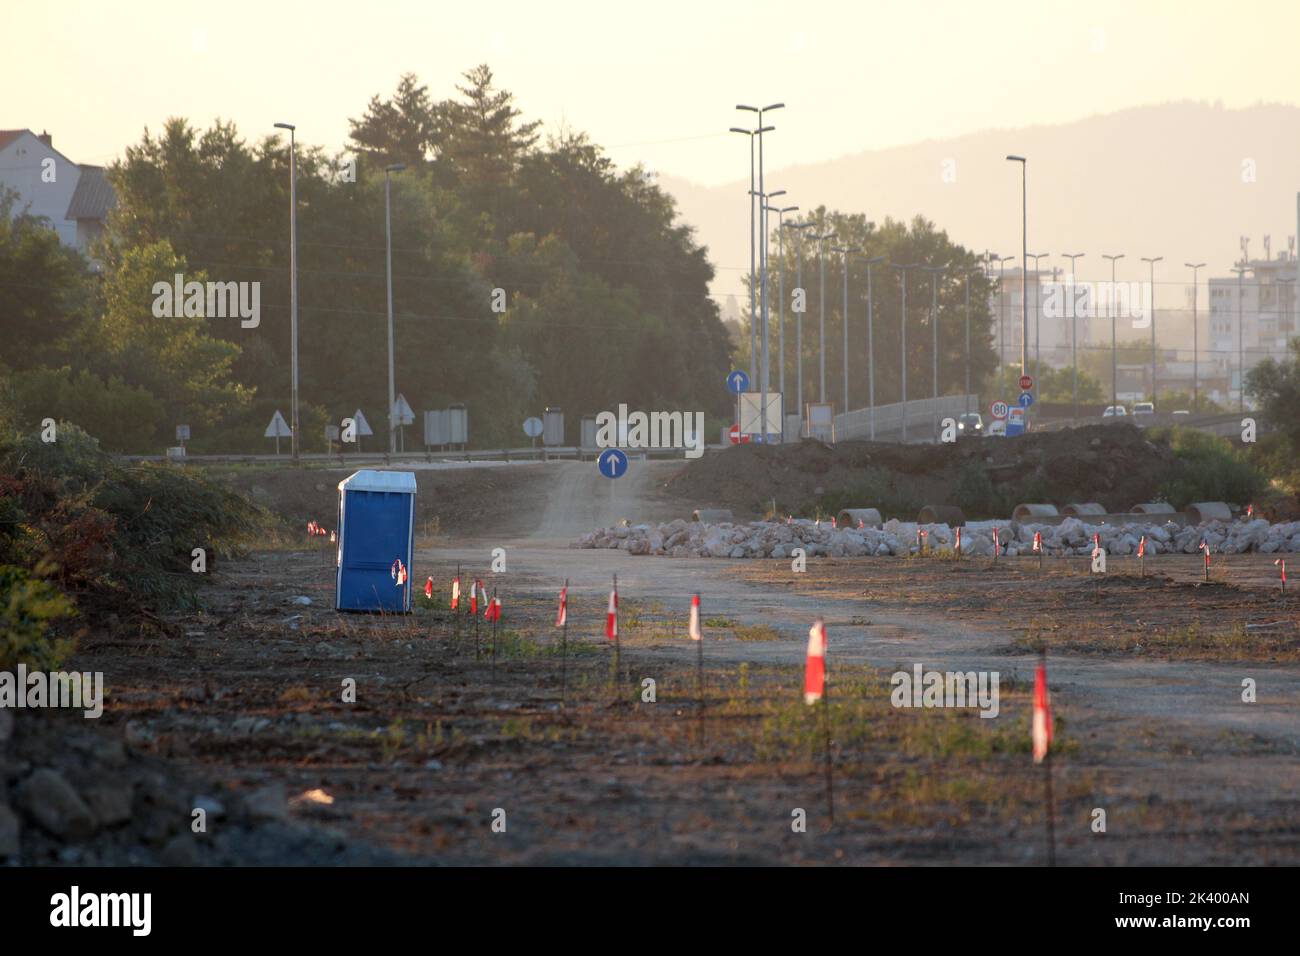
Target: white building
(1253,315)
(1049,334)
(74,198)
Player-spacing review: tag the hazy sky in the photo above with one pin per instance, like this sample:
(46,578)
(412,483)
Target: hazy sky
(659,86)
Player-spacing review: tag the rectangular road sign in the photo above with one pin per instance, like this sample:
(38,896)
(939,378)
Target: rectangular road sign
(751,418)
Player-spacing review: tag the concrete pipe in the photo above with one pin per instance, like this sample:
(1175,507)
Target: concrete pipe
(1154,508)
(850,517)
(1080,510)
(1203,511)
(1026,512)
(713,516)
(950,515)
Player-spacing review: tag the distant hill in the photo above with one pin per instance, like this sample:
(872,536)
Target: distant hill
(1150,181)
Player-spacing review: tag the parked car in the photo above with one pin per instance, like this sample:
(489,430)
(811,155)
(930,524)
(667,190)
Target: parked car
(1114,411)
(970,425)
(1182,411)
(1144,408)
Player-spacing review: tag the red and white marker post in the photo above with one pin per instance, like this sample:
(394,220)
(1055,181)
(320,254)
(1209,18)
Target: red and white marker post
(997,543)
(1038,548)
(493,614)
(1042,739)
(1142,556)
(694,632)
(1205,547)
(814,689)
(562,622)
(1282,562)
(611,630)
(958,545)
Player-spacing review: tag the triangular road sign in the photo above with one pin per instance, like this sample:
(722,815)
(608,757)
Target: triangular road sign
(278,428)
(363,426)
(405,414)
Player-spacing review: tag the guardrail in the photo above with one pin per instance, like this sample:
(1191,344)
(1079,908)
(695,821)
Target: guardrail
(527,453)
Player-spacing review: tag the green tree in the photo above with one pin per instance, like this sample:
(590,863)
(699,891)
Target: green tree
(44,287)
(174,359)
(1274,384)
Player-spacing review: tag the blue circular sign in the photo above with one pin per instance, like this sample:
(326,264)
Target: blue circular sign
(612,463)
(1026,399)
(737,382)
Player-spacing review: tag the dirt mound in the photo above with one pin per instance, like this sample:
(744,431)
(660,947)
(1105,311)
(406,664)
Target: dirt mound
(1112,464)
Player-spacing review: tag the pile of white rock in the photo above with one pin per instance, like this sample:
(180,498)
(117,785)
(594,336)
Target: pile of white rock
(1073,536)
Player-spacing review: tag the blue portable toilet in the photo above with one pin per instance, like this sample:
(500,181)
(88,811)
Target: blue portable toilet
(376,528)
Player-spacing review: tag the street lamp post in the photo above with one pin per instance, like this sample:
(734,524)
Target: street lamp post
(904,269)
(1196,398)
(966,296)
(1024,256)
(1038,317)
(1241,270)
(1114,349)
(293,285)
(753,305)
(844,251)
(821,306)
(1074,333)
(871,346)
(935,273)
(1152,263)
(780,321)
(388,237)
(799,229)
(765,385)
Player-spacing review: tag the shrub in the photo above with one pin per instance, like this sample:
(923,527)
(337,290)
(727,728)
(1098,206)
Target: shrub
(974,491)
(29,608)
(1207,468)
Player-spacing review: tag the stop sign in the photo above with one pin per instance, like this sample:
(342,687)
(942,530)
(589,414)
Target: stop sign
(1026,383)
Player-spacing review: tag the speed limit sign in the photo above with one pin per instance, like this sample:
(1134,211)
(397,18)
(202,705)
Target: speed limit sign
(998,410)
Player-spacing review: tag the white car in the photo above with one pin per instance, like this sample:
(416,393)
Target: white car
(1114,411)
(1144,408)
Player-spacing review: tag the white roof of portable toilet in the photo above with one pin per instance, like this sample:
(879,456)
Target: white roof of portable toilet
(369,480)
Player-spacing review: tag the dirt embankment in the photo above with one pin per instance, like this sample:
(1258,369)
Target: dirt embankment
(461,501)
(1112,464)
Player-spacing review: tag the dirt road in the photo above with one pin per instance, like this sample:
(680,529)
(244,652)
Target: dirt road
(1198,694)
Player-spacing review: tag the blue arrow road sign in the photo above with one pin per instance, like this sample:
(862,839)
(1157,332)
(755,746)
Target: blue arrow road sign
(612,463)
(1026,399)
(737,382)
